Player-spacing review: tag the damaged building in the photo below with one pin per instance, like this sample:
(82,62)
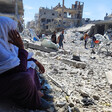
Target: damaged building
(102,26)
(13,9)
(60,17)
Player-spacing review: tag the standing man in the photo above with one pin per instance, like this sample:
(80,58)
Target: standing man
(93,39)
(53,37)
(60,39)
(85,39)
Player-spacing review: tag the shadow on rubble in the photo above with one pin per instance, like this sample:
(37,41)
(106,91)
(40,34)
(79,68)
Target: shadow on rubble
(46,89)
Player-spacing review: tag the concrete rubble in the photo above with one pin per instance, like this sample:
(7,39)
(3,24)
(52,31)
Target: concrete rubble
(83,85)
(80,86)
(109,78)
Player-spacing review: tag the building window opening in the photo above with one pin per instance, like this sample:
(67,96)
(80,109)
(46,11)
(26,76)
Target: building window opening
(43,20)
(46,27)
(48,20)
(53,14)
(69,15)
(60,15)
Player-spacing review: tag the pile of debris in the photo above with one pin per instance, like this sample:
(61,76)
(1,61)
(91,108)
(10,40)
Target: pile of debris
(77,81)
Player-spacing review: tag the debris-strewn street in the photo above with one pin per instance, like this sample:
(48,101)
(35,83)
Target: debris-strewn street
(55,56)
(82,84)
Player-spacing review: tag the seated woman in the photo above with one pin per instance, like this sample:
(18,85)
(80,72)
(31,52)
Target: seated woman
(18,79)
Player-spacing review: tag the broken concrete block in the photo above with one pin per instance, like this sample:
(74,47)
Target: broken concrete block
(75,109)
(107,109)
(38,53)
(71,104)
(60,103)
(84,93)
(25,45)
(52,54)
(74,63)
(109,78)
(38,47)
(96,97)
(76,58)
(66,52)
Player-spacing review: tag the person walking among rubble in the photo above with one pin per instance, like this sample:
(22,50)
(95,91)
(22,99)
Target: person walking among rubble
(18,79)
(93,39)
(60,39)
(53,37)
(85,39)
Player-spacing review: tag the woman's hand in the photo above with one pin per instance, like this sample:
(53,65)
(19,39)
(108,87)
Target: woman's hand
(41,68)
(16,39)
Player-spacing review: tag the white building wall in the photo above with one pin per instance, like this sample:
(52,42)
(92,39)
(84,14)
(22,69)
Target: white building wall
(47,13)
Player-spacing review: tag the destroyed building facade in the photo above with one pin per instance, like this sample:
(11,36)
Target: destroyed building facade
(13,9)
(102,26)
(108,17)
(36,19)
(31,25)
(60,17)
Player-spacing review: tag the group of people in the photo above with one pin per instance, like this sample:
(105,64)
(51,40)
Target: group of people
(93,39)
(19,80)
(59,40)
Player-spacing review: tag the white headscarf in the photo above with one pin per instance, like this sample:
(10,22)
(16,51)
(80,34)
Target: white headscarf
(8,52)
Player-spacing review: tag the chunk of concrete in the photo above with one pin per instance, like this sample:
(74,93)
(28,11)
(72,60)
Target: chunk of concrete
(38,53)
(38,47)
(60,103)
(109,78)
(74,63)
(107,109)
(84,93)
(96,97)
(76,58)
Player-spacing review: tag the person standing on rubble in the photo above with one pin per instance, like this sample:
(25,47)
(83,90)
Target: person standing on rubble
(53,37)
(85,39)
(60,39)
(93,39)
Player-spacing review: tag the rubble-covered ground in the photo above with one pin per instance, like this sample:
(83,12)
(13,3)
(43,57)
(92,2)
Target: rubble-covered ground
(85,88)
(76,85)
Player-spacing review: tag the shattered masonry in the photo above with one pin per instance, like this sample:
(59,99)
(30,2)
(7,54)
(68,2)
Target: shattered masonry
(51,19)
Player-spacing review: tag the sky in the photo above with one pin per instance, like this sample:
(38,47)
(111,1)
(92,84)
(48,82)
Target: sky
(93,9)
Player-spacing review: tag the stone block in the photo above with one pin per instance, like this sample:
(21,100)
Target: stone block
(74,63)
(38,47)
(109,78)
(38,53)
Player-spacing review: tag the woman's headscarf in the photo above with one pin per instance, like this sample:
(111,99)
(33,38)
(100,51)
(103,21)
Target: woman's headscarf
(8,52)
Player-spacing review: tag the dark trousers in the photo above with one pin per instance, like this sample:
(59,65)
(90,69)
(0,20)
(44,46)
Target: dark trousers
(85,43)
